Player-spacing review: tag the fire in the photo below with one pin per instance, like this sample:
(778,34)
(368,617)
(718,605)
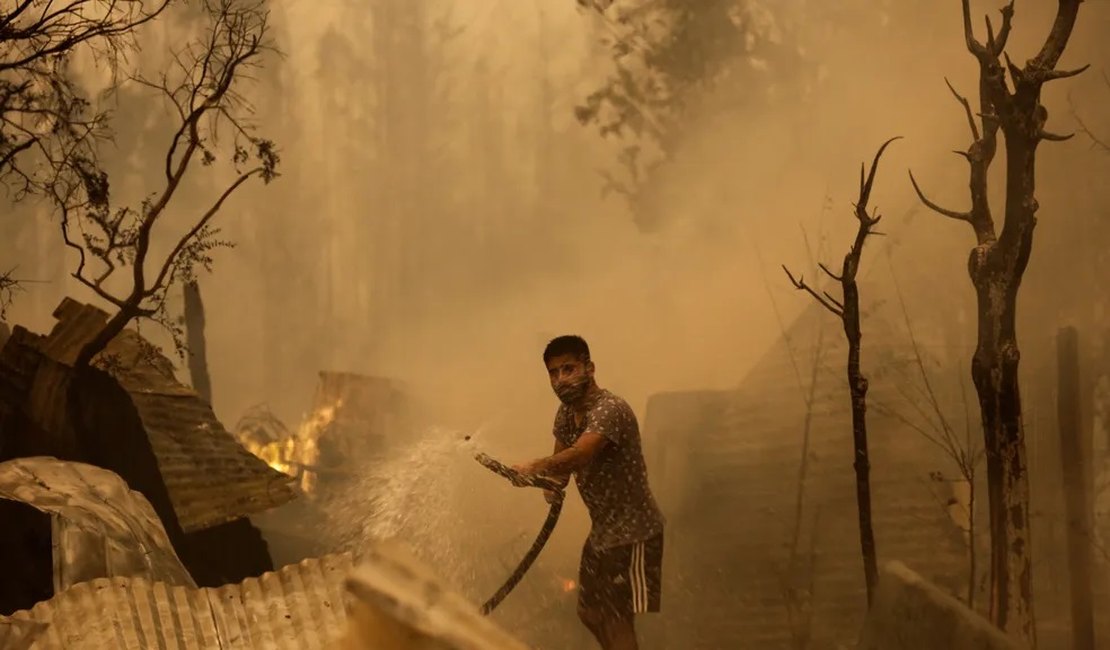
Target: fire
(289,455)
(569,585)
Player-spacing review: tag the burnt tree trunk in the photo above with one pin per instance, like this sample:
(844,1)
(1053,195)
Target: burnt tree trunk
(994,370)
(996,267)
(857,386)
(195,342)
(847,309)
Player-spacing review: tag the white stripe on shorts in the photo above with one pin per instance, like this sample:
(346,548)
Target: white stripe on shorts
(638,580)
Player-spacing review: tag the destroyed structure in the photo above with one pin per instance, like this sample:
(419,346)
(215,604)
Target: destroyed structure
(97,525)
(129,415)
(727,466)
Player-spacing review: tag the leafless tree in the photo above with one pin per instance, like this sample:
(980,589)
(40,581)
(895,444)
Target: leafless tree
(44,117)
(996,265)
(847,310)
(931,422)
(202,88)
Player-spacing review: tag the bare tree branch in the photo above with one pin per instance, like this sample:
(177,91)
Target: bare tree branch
(1066,14)
(800,284)
(967,108)
(996,266)
(45,120)
(951,214)
(848,311)
(201,86)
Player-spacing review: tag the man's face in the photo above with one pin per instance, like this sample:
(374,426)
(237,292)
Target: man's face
(570,376)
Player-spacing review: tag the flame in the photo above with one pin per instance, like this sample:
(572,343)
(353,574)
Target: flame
(569,585)
(290,455)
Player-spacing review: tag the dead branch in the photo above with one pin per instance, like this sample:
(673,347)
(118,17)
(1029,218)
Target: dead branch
(800,283)
(202,90)
(847,310)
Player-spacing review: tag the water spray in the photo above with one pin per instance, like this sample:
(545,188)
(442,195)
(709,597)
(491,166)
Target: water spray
(519,480)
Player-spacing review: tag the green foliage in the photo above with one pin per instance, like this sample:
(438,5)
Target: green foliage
(669,56)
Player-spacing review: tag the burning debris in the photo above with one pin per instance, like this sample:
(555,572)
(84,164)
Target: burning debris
(353,419)
(129,494)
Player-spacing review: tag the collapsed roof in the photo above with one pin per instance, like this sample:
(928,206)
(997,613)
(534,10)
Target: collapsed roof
(210,478)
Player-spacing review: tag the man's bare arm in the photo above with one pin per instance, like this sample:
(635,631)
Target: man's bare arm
(563,478)
(568,459)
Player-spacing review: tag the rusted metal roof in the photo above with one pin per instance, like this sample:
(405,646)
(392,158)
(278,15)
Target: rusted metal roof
(298,607)
(100,527)
(211,478)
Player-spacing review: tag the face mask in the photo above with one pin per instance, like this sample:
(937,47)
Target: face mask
(573,391)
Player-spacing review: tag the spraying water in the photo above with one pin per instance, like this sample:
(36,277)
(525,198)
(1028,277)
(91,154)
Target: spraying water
(432,496)
(468,524)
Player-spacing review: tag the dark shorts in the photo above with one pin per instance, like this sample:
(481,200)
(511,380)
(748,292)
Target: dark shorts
(623,580)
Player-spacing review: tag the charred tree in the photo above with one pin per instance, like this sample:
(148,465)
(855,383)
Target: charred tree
(847,310)
(203,90)
(195,343)
(996,266)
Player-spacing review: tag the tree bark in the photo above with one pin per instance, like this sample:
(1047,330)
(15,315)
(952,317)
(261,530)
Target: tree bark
(996,270)
(995,372)
(857,385)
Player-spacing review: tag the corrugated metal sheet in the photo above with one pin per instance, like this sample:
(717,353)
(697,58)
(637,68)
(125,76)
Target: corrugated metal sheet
(397,587)
(101,528)
(20,635)
(211,478)
(298,607)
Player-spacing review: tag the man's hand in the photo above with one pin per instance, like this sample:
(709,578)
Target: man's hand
(526,470)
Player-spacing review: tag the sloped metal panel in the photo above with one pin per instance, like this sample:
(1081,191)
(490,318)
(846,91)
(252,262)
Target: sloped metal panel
(298,607)
(393,584)
(211,479)
(101,528)
(20,635)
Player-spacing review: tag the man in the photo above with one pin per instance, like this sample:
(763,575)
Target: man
(597,439)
